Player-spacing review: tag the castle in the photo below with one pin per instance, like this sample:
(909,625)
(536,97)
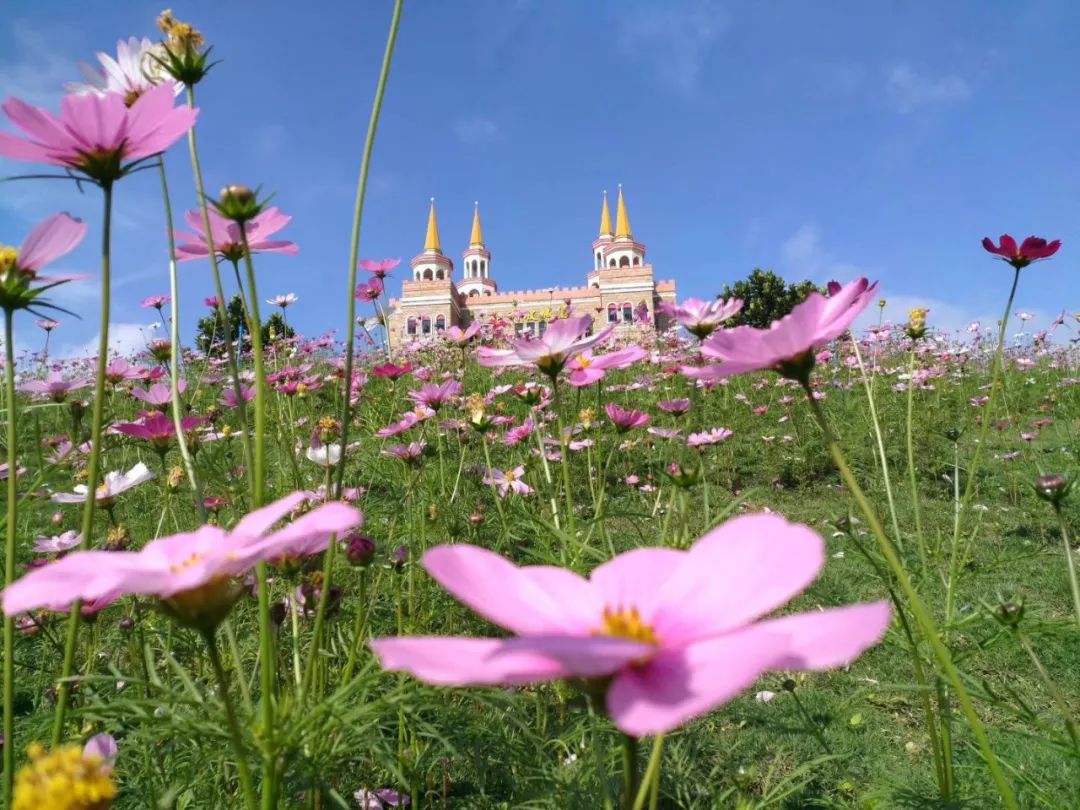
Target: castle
(619,289)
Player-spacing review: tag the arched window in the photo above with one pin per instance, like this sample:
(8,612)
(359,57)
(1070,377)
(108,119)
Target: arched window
(624,261)
(487,292)
(472,267)
(439,275)
(612,313)
(474,293)
(425,325)
(427,275)
(637,261)
(440,323)
(483,267)
(410,327)
(416,275)
(627,313)
(595,286)
(599,260)
(611,262)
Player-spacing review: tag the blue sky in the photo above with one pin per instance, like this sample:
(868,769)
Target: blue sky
(821,140)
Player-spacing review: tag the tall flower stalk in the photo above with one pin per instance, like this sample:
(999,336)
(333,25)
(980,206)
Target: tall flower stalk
(93,474)
(174,336)
(9,553)
(354,244)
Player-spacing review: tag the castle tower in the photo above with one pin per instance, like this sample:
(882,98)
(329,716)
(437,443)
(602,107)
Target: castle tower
(621,250)
(605,236)
(432,265)
(476,262)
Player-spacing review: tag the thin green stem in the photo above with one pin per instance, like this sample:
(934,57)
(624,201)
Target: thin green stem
(235,732)
(1069,561)
(564,459)
(630,778)
(912,475)
(650,783)
(93,475)
(358,627)
(174,334)
(354,245)
(9,553)
(925,621)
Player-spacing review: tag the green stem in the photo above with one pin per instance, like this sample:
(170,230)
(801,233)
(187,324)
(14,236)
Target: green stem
(1069,554)
(564,460)
(926,623)
(174,334)
(630,781)
(650,784)
(912,476)
(235,733)
(354,245)
(9,554)
(358,627)
(494,487)
(93,475)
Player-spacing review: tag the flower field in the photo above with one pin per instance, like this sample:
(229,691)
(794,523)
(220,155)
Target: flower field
(805,565)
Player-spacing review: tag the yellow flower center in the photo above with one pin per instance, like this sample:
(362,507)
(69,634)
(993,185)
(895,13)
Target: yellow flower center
(184,565)
(63,780)
(9,258)
(626,623)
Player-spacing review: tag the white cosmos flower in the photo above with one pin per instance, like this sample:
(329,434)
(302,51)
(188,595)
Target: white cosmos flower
(328,455)
(134,71)
(113,485)
(283,300)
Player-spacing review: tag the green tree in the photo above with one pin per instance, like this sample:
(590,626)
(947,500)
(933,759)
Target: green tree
(766,297)
(210,333)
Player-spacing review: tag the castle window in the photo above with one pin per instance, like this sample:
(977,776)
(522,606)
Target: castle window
(410,327)
(440,323)
(624,261)
(637,261)
(595,286)
(611,262)
(532,328)
(425,325)
(474,293)
(427,275)
(519,329)
(439,275)
(483,267)
(599,260)
(627,313)
(612,313)
(543,328)
(487,292)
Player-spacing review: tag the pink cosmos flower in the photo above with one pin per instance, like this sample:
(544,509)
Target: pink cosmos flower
(702,318)
(114,484)
(50,239)
(673,633)
(229,398)
(391,371)
(459,337)
(47,324)
(411,453)
(379,268)
(435,396)
(176,568)
(120,370)
(98,135)
(714,436)
(59,544)
(676,407)
(625,420)
(155,302)
(158,395)
(157,428)
(228,241)
(135,70)
(516,435)
(54,386)
(370,290)
(1032,249)
(787,345)
(562,342)
(507,482)
(586,368)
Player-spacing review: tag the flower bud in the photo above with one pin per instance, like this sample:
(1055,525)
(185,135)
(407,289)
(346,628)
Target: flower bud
(359,549)
(1009,613)
(1053,488)
(127,624)
(399,557)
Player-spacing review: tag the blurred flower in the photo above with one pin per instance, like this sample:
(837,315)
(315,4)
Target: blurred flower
(586,368)
(283,300)
(702,318)
(155,302)
(509,481)
(379,268)
(564,340)
(58,544)
(54,386)
(115,483)
(625,420)
(68,778)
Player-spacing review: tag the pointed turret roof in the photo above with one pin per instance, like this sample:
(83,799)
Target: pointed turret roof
(622,219)
(476,239)
(605,218)
(431,241)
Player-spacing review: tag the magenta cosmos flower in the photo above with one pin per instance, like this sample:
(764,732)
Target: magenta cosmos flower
(461,337)
(702,318)
(227,239)
(155,302)
(787,345)
(191,572)
(1030,250)
(54,386)
(379,268)
(674,633)
(157,429)
(435,396)
(563,340)
(98,135)
(625,420)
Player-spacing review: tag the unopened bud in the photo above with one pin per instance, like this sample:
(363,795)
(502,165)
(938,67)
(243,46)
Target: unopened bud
(359,549)
(1053,488)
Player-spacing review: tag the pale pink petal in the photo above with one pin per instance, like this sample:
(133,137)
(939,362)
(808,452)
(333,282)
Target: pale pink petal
(739,571)
(635,579)
(502,592)
(257,523)
(678,685)
(51,239)
(464,661)
(579,378)
(272,246)
(830,638)
(16,148)
(87,576)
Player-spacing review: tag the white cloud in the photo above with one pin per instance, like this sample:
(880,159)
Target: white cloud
(124,339)
(803,256)
(674,41)
(37,70)
(911,90)
(476,130)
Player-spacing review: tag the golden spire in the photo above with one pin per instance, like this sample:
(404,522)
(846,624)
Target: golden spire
(605,218)
(622,219)
(431,243)
(477,238)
